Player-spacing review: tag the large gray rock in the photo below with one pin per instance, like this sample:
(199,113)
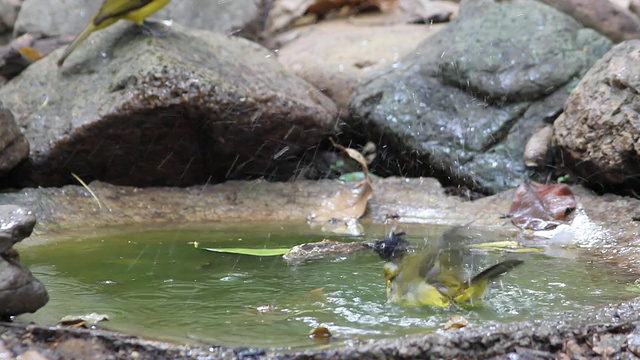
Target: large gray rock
(8,13)
(59,17)
(13,145)
(598,135)
(20,291)
(462,105)
(313,54)
(189,107)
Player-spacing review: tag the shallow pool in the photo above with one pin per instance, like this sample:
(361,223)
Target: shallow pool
(153,282)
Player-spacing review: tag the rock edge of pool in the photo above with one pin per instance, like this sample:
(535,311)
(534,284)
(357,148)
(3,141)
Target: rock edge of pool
(611,331)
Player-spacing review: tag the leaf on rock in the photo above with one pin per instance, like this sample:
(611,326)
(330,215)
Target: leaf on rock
(285,13)
(347,203)
(541,207)
(87,320)
(246,251)
(30,53)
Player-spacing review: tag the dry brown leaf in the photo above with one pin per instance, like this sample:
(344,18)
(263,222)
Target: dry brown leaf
(318,291)
(323,7)
(357,156)
(87,320)
(541,207)
(455,321)
(347,203)
(284,13)
(30,53)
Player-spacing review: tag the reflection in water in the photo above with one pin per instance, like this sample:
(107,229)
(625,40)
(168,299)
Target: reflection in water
(154,283)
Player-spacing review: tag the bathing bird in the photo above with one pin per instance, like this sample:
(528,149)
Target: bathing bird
(433,277)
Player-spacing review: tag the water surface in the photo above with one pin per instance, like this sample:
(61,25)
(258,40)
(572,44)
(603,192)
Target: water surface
(152,282)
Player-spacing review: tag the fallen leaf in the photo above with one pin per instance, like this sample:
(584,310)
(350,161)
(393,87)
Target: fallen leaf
(318,291)
(347,203)
(455,321)
(30,53)
(541,207)
(320,335)
(315,295)
(87,320)
(495,244)
(285,13)
(503,246)
(246,251)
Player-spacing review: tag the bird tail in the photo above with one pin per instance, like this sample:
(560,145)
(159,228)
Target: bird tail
(497,270)
(478,284)
(76,42)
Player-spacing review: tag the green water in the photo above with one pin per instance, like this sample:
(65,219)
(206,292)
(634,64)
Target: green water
(152,282)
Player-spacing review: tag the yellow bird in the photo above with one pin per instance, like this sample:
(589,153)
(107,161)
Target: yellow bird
(433,276)
(112,11)
(441,287)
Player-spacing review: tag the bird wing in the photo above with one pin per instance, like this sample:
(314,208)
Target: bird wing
(117,8)
(476,287)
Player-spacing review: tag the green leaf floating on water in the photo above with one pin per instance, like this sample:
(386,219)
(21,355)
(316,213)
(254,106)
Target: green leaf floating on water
(504,246)
(246,251)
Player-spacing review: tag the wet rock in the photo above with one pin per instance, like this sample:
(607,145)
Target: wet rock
(89,349)
(335,55)
(16,224)
(598,134)
(20,291)
(567,334)
(13,145)
(23,51)
(607,17)
(462,105)
(602,223)
(8,13)
(189,107)
(62,17)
